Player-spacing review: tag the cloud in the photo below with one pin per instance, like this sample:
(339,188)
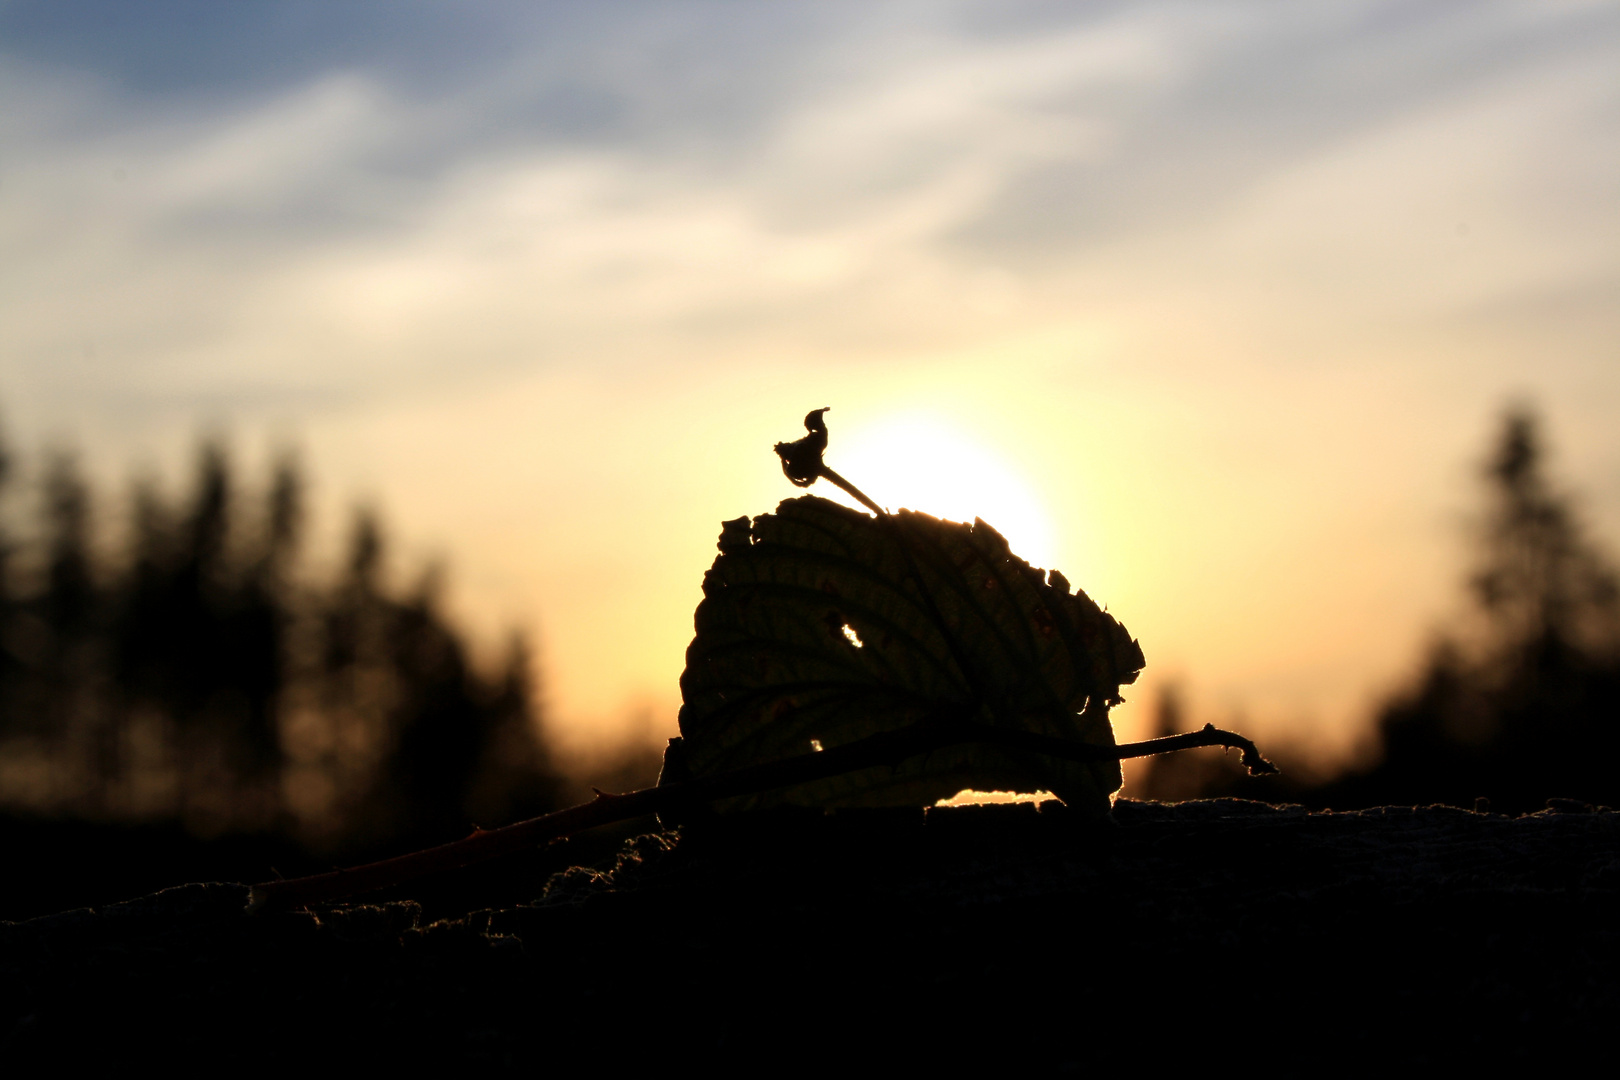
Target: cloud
(360,219)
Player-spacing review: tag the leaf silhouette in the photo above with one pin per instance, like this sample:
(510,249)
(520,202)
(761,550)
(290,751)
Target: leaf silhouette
(821,625)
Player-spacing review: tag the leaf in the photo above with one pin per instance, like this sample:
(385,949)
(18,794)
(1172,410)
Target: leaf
(821,625)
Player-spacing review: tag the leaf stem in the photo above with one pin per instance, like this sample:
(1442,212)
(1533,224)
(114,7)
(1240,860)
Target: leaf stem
(854,492)
(888,748)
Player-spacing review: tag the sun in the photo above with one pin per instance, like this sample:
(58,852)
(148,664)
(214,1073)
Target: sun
(921,462)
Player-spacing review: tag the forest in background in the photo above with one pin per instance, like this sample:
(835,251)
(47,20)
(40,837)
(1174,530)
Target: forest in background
(184,667)
(1515,704)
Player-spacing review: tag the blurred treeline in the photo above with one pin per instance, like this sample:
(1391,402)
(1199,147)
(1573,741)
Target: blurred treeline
(182,668)
(1518,702)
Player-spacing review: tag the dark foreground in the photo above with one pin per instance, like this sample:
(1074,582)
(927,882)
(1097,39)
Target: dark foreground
(1003,937)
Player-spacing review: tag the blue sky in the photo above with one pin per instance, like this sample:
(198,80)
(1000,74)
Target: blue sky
(1233,289)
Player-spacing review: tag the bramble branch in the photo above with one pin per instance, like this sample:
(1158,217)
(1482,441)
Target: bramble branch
(889,748)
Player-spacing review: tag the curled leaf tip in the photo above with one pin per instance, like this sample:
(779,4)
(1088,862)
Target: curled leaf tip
(801,459)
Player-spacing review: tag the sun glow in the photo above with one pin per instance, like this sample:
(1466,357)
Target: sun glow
(969,797)
(922,463)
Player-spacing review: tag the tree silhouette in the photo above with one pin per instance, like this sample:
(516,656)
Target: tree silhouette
(198,641)
(1523,705)
(1542,587)
(1517,703)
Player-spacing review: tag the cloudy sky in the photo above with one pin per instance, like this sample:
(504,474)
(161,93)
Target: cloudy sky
(1212,305)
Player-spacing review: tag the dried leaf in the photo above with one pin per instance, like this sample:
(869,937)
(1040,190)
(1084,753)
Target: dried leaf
(821,625)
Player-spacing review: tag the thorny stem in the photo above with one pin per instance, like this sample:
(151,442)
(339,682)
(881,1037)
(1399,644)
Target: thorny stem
(889,748)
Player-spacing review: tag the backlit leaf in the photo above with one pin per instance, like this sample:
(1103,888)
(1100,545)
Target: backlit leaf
(821,625)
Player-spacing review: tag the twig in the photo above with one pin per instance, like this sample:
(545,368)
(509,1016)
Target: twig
(854,492)
(889,748)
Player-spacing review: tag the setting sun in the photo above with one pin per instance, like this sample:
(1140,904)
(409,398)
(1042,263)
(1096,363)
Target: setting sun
(920,462)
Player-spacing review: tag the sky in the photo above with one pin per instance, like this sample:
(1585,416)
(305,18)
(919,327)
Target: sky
(1213,306)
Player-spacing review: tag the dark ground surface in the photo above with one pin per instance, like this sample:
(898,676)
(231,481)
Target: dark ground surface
(1218,932)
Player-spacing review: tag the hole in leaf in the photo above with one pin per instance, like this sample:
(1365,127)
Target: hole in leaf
(815,744)
(854,638)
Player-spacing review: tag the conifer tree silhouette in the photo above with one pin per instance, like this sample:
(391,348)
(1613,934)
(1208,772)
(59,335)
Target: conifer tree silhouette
(1525,710)
(1519,701)
(201,634)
